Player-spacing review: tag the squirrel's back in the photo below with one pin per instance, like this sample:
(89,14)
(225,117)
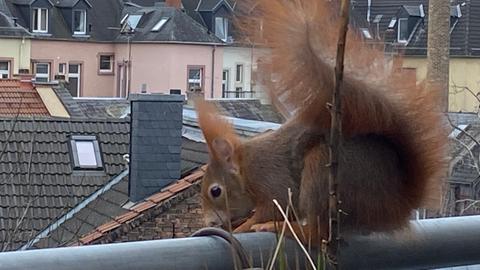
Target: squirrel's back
(379,98)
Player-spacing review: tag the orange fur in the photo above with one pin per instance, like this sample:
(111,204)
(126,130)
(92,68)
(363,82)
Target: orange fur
(393,145)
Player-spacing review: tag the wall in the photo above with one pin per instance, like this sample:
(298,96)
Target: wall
(86,53)
(248,57)
(164,66)
(464,72)
(19,50)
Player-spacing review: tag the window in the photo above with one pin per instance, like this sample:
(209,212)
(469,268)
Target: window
(221,28)
(160,24)
(4,69)
(133,20)
(40,20)
(238,92)
(366,33)
(74,79)
(86,153)
(402,31)
(79,22)
(225,82)
(195,79)
(239,73)
(106,64)
(42,72)
(62,68)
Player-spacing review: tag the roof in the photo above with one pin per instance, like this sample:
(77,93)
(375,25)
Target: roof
(104,107)
(70,3)
(251,109)
(465,33)
(108,212)
(7,24)
(20,99)
(36,177)
(179,27)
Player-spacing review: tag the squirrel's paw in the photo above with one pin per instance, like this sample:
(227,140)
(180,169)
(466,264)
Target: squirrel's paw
(266,227)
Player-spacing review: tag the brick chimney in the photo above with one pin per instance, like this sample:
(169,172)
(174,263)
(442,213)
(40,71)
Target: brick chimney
(155,143)
(174,3)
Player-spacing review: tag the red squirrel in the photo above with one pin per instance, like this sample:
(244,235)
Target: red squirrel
(393,145)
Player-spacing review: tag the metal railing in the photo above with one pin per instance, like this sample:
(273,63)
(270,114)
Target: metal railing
(238,94)
(432,243)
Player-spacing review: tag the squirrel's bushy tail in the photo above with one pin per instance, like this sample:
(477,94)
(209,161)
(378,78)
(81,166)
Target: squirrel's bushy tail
(378,96)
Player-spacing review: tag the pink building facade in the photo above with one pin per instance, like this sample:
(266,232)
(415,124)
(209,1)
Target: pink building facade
(101,69)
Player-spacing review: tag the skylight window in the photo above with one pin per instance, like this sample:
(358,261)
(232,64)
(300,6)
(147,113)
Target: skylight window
(392,22)
(366,33)
(160,24)
(86,153)
(133,20)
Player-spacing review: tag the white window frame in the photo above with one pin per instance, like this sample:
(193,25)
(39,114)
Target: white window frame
(195,81)
(42,75)
(6,72)
(84,17)
(399,23)
(224,27)
(100,70)
(160,24)
(225,82)
(77,75)
(37,26)
(62,66)
(239,79)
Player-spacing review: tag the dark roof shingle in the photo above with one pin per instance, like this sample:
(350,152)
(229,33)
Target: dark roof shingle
(36,175)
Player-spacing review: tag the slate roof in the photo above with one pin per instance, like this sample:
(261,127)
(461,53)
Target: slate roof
(105,214)
(36,176)
(179,28)
(107,211)
(465,36)
(20,99)
(58,27)
(110,211)
(104,108)
(250,109)
(7,25)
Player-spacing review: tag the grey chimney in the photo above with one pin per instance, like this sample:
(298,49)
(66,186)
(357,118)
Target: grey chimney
(155,143)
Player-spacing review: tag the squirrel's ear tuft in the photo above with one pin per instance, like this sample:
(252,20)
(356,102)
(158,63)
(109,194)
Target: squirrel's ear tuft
(218,133)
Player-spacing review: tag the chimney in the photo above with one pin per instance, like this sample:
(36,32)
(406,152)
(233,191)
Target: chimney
(155,143)
(174,3)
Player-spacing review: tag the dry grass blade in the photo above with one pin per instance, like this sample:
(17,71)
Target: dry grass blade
(285,217)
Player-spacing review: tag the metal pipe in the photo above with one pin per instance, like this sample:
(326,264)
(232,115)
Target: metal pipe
(434,243)
(431,243)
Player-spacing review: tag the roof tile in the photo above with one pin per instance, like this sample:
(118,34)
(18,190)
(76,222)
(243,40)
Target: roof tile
(179,186)
(161,196)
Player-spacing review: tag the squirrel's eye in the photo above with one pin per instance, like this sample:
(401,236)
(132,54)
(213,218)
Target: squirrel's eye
(215,191)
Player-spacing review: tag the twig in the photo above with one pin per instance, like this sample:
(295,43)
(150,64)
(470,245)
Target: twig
(335,134)
(285,217)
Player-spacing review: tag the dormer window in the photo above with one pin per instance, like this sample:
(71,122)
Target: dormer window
(221,28)
(79,22)
(40,20)
(402,30)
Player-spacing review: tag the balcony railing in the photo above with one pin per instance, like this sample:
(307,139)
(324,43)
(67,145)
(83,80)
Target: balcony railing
(238,94)
(429,244)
